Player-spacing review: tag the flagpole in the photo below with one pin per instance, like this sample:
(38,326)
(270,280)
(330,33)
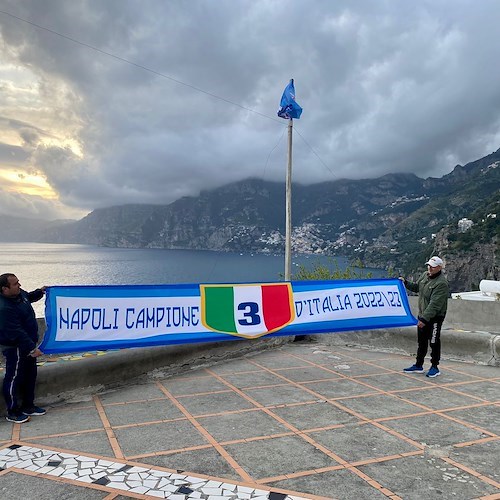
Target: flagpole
(288,205)
(289,109)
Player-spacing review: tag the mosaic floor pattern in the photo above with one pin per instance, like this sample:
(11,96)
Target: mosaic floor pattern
(128,478)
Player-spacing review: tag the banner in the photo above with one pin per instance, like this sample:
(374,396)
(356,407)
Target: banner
(88,318)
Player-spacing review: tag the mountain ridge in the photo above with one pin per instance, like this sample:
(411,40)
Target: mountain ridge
(394,221)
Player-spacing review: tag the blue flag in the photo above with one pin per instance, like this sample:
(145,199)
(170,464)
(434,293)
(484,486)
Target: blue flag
(289,107)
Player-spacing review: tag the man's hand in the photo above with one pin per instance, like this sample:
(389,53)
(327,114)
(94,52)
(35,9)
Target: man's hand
(420,324)
(35,353)
(43,288)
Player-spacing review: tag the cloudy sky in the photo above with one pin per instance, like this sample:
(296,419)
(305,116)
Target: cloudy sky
(112,102)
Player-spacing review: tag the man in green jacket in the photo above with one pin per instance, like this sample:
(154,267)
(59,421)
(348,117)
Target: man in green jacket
(433,292)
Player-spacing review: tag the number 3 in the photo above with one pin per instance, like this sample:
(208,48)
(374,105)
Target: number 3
(251,314)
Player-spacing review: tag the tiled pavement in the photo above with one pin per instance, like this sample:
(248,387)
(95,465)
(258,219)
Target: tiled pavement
(302,421)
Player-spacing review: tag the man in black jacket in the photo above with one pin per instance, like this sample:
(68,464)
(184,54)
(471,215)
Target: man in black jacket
(18,341)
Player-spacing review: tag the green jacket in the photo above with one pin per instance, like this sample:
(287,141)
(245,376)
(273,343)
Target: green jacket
(433,293)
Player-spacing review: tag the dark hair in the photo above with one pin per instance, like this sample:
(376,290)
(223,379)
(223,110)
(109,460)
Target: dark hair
(4,280)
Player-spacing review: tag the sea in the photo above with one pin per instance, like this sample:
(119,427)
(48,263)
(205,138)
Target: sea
(38,264)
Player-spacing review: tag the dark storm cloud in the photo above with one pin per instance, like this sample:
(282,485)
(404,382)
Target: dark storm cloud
(386,87)
(12,155)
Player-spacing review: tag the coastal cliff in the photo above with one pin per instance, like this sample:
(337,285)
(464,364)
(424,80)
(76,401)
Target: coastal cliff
(396,221)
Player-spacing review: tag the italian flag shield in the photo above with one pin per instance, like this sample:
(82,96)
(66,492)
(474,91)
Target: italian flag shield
(248,311)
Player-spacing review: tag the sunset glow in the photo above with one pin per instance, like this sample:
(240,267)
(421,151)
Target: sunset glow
(30,184)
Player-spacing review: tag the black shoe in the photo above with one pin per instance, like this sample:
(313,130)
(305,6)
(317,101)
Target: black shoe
(17,419)
(414,369)
(34,410)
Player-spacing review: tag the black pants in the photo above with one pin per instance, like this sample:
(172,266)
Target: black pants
(20,378)
(430,334)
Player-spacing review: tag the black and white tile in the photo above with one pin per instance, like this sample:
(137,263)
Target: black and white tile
(143,480)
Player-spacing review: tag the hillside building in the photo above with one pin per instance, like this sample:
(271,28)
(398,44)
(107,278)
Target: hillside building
(464,224)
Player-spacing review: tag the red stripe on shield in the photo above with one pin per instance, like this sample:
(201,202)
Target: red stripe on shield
(277,306)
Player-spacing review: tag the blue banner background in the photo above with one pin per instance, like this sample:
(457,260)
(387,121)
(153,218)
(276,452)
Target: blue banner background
(51,344)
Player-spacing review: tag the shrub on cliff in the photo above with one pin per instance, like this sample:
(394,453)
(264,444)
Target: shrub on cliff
(325,272)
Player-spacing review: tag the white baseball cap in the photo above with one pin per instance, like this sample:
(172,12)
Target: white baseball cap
(435,262)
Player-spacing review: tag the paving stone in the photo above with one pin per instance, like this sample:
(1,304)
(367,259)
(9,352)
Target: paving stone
(146,411)
(283,394)
(193,385)
(339,388)
(307,373)
(89,442)
(369,355)
(419,478)
(380,406)
(5,429)
(485,417)
(393,382)
(158,437)
(433,430)
(361,442)
(274,457)
(254,379)
(482,457)
(319,356)
(314,415)
(437,398)
(62,421)
(355,368)
(215,403)
(242,425)
(488,391)
(447,377)
(339,484)
(277,360)
(475,370)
